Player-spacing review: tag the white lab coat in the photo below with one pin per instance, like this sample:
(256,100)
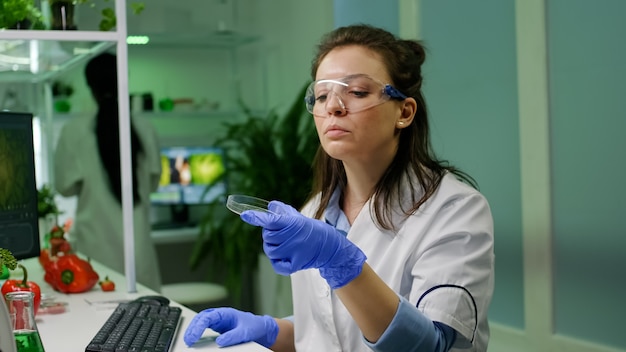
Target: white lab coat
(98,229)
(441,256)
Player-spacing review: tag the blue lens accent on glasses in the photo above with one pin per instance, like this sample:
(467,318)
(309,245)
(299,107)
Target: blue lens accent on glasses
(394,93)
(309,100)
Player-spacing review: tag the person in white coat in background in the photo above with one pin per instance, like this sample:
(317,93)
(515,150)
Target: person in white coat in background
(87,165)
(394,249)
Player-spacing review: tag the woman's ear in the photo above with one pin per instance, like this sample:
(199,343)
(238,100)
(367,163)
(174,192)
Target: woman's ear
(409,107)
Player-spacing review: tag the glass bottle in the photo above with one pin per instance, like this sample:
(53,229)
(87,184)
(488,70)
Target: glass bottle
(22,313)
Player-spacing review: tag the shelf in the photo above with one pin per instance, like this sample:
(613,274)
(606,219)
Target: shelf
(39,60)
(216,114)
(162,114)
(58,35)
(39,55)
(33,56)
(223,40)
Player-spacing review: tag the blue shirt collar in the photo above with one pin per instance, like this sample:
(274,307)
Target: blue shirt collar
(334,215)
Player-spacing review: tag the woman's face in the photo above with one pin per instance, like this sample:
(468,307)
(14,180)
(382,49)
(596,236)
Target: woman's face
(365,136)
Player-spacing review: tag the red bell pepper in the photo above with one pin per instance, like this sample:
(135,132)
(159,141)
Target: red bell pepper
(23,285)
(70,274)
(44,257)
(58,242)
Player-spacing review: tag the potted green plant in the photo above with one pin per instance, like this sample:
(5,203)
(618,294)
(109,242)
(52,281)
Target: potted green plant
(20,14)
(61,93)
(47,210)
(46,204)
(62,12)
(62,15)
(108,20)
(267,157)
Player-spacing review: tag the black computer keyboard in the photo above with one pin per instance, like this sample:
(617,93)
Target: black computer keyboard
(137,327)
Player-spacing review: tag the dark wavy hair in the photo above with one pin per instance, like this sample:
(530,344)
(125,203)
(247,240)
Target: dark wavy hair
(403,60)
(101,76)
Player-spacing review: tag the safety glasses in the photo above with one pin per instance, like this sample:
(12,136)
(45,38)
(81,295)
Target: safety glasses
(352,93)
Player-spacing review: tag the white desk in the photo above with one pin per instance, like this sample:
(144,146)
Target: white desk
(87,312)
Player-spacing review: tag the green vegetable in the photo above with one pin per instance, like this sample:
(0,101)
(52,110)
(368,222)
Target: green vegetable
(7,259)
(5,273)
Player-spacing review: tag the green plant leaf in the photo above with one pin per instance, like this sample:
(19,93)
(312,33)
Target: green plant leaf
(46,204)
(18,11)
(137,7)
(109,20)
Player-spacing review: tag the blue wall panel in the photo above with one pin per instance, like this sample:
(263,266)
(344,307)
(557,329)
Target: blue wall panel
(375,12)
(471,89)
(588,120)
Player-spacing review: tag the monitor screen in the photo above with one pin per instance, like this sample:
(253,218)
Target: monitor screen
(19,223)
(190,175)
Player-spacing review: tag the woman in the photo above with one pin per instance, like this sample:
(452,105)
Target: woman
(393,252)
(87,165)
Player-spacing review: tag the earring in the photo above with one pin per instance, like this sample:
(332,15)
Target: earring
(401,123)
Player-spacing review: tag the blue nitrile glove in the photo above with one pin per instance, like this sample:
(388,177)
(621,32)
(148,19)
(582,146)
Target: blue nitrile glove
(234,326)
(294,242)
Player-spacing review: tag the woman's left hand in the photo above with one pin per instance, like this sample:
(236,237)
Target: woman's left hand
(294,242)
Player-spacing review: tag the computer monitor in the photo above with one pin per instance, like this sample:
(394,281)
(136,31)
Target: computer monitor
(19,222)
(191,175)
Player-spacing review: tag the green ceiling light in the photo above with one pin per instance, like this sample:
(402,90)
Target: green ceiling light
(137,39)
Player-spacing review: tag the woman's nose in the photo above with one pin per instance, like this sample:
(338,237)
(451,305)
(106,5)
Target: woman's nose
(334,104)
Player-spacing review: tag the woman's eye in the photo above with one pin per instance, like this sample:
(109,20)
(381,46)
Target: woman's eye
(321,98)
(359,93)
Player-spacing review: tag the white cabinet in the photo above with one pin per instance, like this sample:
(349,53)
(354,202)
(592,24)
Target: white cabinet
(29,62)
(35,58)
(36,65)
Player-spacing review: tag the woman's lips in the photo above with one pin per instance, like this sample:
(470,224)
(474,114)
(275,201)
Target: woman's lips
(335,131)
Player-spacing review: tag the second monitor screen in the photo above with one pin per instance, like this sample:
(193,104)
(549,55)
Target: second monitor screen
(191,175)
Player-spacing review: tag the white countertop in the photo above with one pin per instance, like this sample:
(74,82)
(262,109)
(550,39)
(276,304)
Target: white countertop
(88,311)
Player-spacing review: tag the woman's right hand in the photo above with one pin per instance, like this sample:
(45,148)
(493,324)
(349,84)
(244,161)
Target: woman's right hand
(234,326)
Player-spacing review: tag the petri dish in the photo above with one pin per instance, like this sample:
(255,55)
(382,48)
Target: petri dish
(238,203)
